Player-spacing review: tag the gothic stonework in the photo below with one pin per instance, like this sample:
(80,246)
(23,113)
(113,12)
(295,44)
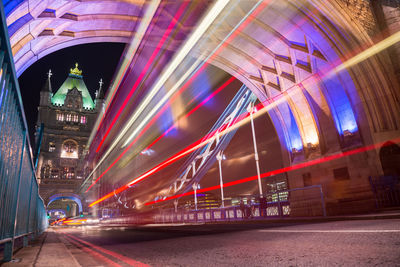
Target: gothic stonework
(65,120)
(360,12)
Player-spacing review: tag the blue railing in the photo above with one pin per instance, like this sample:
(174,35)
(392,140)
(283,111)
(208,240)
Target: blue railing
(22,211)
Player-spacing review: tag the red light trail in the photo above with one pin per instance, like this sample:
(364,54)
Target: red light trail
(173,159)
(229,39)
(229,81)
(194,76)
(123,258)
(284,170)
(172,24)
(196,145)
(94,253)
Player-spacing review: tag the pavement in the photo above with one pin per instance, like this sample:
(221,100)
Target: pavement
(43,251)
(143,246)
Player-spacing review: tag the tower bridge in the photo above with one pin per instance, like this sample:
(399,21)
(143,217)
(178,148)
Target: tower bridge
(218,111)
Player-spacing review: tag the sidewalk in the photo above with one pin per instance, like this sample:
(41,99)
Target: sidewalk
(42,252)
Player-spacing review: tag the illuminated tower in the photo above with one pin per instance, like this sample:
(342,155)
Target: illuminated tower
(67,118)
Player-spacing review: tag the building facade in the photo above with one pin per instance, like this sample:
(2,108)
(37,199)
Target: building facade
(65,120)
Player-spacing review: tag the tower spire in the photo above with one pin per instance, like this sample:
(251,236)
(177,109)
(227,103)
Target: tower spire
(100,92)
(47,85)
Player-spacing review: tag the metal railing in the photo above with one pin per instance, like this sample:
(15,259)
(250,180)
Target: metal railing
(22,211)
(298,202)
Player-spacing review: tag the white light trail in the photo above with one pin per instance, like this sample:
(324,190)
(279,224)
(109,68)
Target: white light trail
(136,40)
(194,38)
(197,34)
(148,16)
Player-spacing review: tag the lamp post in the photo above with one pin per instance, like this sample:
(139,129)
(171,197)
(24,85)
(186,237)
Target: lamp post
(250,109)
(194,186)
(221,183)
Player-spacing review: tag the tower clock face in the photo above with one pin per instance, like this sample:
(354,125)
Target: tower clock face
(69,150)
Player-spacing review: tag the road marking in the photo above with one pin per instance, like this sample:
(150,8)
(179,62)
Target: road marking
(328,231)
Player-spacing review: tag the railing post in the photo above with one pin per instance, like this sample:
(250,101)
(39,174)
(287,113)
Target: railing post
(8,247)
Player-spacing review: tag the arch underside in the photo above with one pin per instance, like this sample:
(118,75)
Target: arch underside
(41,27)
(286,52)
(69,196)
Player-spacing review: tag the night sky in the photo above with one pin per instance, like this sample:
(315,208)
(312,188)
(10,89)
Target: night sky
(98,60)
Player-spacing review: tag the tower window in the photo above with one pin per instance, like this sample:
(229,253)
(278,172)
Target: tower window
(69,173)
(83,119)
(76,118)
(54,173)
(60,116)
(46,171)
(52,147)
(69,117)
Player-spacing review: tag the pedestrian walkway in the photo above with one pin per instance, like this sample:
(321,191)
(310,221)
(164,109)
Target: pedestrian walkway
(44,252)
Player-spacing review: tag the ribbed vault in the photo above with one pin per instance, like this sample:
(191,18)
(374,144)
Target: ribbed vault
(38,27)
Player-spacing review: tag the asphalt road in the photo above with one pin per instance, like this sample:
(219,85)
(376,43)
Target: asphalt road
(344,243)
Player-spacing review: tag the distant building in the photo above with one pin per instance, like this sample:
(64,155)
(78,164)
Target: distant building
(67,118)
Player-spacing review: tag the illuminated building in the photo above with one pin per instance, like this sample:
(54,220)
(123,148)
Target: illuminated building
(66,118)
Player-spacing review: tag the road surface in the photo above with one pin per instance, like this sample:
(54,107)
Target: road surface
(349,243)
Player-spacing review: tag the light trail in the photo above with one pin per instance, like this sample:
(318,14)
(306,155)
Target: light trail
(243,23)
(213,11)
(224,85)
(367,53)
(118,256)
(213,94)
(144,24)
(261,109)
(283,170)
(177,60)
(241,120)
(92,252)
(380,46)
(150,61)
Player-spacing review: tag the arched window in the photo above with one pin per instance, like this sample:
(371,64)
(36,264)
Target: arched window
(69,117)
(60,116)
(69,149)
(83,119)
(46,171)
(52,147)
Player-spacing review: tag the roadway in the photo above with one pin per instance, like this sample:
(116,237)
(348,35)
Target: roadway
(349,243)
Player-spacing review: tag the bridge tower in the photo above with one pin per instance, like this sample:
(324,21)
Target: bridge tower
(67,117)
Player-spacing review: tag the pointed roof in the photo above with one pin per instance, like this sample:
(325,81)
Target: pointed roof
(74,80)
(47,85)
(100,92)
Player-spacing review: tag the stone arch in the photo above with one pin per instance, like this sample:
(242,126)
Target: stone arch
(69,196)
(37,28)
